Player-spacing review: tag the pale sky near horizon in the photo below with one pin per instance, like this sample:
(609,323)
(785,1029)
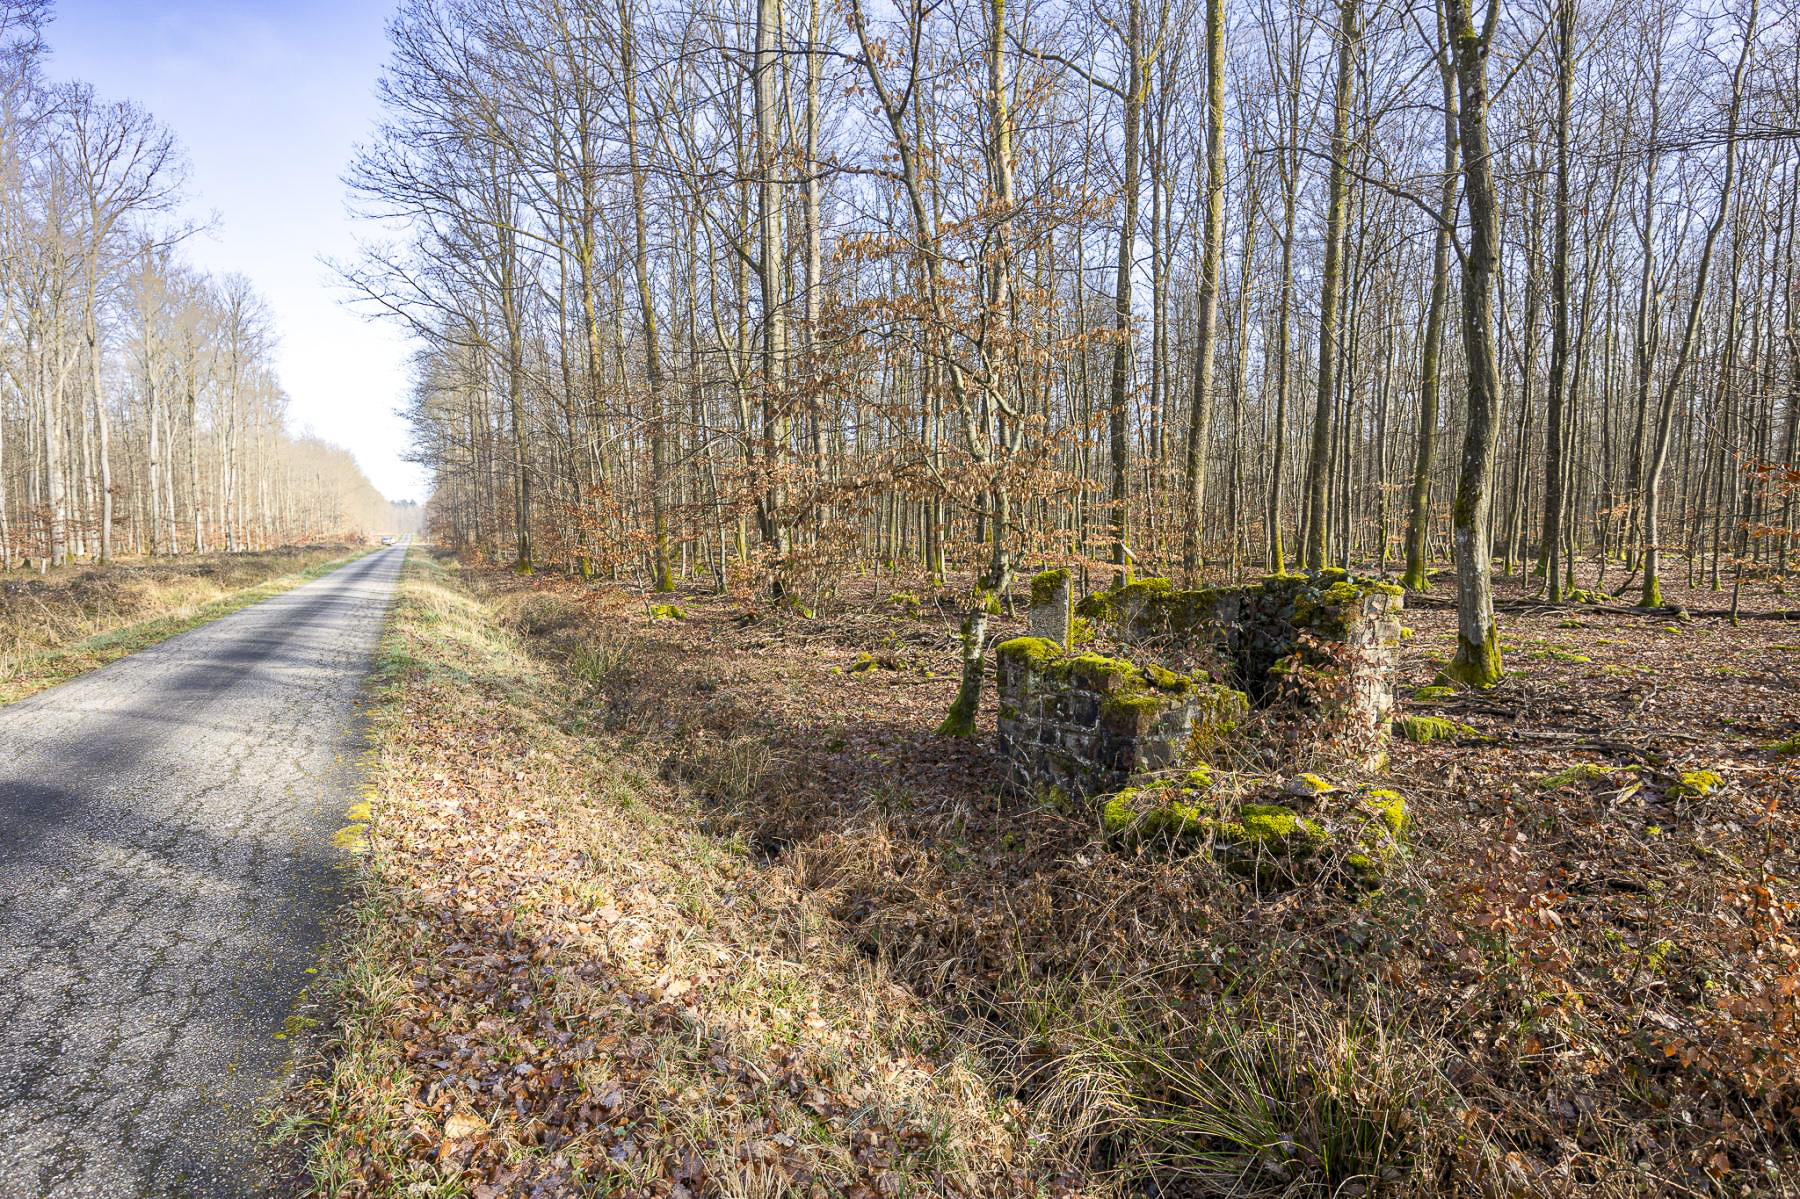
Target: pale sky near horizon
(269,98)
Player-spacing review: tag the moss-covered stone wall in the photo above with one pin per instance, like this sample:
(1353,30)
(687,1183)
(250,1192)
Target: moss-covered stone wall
(1323,644)
(1085,724)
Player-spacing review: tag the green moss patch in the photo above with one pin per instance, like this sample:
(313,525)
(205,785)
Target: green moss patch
(1422,729)
(1692,784)
(1122,682)
(1362,831)
(1045,586)
(1390,807)
(1107,674)
(1035,653)
(1177,809)
(352,838)
(1275,828)
(1581,772)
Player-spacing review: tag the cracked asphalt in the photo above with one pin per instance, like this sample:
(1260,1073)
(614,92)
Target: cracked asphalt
(167,878)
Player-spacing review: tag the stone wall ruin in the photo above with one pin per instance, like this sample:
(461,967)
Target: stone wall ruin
(1086,724)
(1323,644)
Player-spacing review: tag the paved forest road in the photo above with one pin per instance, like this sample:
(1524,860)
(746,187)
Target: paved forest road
(166,873)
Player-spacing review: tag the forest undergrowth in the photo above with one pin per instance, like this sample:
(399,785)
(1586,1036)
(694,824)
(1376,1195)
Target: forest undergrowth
(75,619)
(683,896)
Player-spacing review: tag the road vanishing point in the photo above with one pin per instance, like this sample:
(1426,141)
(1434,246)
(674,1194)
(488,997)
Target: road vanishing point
(167,881)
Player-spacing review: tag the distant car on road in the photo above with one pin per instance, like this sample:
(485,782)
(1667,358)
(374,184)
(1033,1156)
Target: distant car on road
(388,540)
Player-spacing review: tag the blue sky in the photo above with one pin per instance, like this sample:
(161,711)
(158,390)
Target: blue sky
(269,99)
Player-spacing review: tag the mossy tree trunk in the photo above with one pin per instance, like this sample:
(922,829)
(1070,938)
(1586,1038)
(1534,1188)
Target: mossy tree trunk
(1477,661)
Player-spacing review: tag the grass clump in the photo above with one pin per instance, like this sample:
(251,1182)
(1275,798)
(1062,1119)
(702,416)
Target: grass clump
(1268,1094)
(596,660)
(541,613)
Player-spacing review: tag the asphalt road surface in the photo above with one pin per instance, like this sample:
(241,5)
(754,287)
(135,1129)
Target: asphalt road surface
(167,876)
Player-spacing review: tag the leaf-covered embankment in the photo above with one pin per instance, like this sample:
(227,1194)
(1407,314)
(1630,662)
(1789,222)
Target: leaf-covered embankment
(557,983)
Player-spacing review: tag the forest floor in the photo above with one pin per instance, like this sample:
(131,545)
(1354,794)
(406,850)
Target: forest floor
(75,619)
(680,907)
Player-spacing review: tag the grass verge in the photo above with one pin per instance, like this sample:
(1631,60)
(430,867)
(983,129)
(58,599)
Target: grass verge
(556,982)
(53,632)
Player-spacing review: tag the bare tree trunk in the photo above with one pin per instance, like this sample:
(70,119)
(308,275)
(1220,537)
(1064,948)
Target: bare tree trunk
(1285,303)
(1551,553)
(55,479)
(1659,452)
(196,501)
(771,272)
(1211,255)
(1418,519)
(1318,471)
(102,423)
(1131,96)
(661,580)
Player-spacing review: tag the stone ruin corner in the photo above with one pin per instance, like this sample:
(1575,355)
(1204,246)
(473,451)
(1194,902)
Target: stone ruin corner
(1087,724)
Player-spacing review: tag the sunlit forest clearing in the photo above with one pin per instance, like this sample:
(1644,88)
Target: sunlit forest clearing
(1087,598)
